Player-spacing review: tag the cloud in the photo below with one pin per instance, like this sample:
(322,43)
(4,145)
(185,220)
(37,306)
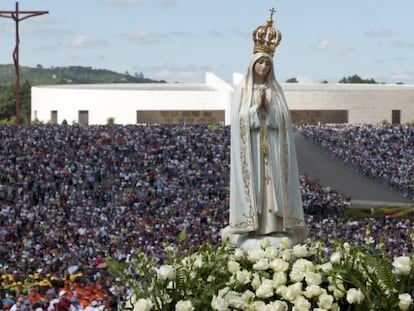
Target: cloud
(396,44)
(380,33)
(87,42)
(402,76)
(305,79)
(335,45)
(173,74)
(144,37)
(124,2)
(168,2)
(216,34)
(137,2)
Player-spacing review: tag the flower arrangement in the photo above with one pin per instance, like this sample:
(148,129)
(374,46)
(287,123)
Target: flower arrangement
(281,278)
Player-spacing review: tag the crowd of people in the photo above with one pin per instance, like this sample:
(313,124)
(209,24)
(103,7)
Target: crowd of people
(71,195)
(382,152)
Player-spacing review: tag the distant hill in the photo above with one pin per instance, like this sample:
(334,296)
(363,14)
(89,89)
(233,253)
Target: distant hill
(68,75)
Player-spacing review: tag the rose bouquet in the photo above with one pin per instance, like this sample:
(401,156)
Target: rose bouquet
(302,277)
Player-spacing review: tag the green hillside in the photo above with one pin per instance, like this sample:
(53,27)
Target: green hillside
(48,76)
(68,75)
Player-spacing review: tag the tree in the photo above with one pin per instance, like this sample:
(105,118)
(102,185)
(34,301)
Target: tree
(292,80)
(25,101)
(7,102)
(357,79)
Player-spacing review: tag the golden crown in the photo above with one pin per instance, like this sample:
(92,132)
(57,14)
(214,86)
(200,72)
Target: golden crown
(266,38)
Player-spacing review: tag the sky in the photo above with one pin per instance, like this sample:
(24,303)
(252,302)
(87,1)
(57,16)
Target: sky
(181,40)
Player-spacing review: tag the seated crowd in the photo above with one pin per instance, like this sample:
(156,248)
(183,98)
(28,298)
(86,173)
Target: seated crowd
(72,195)
(381,152)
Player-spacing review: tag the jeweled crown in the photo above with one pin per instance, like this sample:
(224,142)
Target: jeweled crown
(266,38)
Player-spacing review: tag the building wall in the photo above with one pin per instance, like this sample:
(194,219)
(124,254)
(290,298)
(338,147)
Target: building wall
(362,103)
(366,103)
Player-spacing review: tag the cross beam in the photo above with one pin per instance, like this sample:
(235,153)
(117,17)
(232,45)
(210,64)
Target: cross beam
(18,16)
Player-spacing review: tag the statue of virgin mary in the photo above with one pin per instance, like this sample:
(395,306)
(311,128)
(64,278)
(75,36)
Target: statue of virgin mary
(265,195)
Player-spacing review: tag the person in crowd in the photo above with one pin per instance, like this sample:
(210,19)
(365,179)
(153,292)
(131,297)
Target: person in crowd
(72,195)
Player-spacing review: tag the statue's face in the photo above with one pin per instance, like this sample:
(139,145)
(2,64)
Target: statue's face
(262,67)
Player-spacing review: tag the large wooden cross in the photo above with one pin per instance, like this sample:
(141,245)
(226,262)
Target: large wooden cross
(18,16)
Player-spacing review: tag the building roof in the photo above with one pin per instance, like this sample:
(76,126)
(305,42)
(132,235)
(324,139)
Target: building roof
(343,86)
(135,86)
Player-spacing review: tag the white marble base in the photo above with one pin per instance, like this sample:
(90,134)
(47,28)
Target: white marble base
(248,242)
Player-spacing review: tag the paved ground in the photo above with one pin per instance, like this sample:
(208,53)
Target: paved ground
(330,172)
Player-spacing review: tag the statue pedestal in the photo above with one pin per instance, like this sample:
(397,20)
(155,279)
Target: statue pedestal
(248,242)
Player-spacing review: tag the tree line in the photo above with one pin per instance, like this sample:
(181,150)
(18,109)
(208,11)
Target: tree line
(350,79)
(51,76)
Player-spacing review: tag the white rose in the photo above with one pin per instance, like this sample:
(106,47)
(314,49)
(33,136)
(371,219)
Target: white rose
(235,300)
(293,291)
(198,262)
(223,292)
(238,254)
(143,304)
(284,243)
(279,265)
(303,265)
(219,303)
(279,305)
(354,296)
(256,305)
(338,293)
(243,276)
(268,307)
(401,265)
(248,296)
(335,258)
(265,290)
(211,279)
(281,290)
(166,272)
(336,286)
(261,265)
(301,304)
(265,243)
(325,301)
(300,250)
(405,301)
(287,254)
(279,278)
(255,254)
(192,275)
(233,266)
(313,291)
(296,275)
(313,278)
(186,262)
(271,252)
(256,281)
(226,234)
(347,247)
(184,305)
(326,267)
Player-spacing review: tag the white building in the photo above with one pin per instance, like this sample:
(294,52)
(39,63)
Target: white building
(210,102)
